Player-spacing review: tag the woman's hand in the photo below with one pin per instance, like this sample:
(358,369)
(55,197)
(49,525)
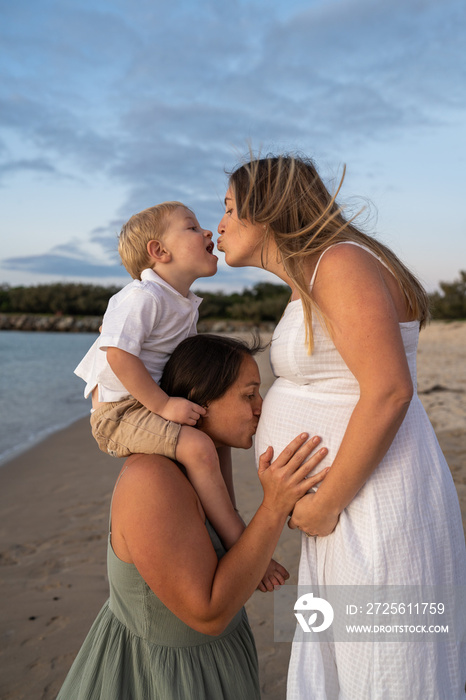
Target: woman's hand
(284,480)
(311,518)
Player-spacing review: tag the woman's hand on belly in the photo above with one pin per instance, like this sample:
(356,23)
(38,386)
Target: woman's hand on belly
(312,519)
(286,479)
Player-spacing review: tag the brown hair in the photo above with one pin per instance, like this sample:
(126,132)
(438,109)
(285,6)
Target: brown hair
(203,367)
(286,194)
(146,226)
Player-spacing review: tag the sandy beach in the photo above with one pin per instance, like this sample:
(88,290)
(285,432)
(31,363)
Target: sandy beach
(54,502)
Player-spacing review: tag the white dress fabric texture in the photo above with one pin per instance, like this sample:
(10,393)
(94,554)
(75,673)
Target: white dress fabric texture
(403,528)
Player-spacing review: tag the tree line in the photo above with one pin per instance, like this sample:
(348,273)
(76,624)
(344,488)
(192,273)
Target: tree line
(264,302)
(450,302)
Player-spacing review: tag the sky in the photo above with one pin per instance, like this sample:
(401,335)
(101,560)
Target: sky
(111,106)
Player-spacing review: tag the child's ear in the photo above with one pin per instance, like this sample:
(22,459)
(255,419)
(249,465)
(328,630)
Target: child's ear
(157,252)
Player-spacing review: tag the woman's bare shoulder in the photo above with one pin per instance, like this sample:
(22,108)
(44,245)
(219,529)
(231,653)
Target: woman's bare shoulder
(149,470)
(154,480)
(152,494)
(357,274)
(348,254)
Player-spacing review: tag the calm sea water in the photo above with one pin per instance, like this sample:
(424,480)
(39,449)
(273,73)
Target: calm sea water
(39,392)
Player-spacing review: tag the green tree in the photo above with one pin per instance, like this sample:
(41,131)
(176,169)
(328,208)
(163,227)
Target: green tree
(451,302)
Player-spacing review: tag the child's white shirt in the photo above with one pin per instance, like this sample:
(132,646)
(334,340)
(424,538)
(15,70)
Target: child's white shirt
(147,318)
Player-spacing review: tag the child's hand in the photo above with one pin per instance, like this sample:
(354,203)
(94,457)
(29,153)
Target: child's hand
(182,411)
(275,576)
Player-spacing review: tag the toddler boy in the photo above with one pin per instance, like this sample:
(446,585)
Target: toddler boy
(165,250)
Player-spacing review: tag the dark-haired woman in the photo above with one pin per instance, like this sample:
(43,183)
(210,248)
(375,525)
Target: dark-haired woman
(344,354)
(174,627)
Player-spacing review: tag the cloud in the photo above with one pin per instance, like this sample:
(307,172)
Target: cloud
(327,77)
(63,266)
(38,166)
(397,48)
(106,237)
(147,90)
(157,98)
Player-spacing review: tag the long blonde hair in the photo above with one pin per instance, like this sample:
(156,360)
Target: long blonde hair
(286,195)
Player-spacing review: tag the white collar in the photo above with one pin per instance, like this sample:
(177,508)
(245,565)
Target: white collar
(151,276)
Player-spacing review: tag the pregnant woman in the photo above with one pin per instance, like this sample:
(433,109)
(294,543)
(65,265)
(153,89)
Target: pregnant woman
(344,354)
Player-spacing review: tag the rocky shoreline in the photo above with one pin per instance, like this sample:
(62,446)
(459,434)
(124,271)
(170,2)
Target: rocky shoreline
(65,324)
(91,324)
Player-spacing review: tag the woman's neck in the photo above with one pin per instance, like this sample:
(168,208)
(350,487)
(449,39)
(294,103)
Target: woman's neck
(277,268)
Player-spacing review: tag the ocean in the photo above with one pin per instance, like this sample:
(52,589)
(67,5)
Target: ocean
(39,392)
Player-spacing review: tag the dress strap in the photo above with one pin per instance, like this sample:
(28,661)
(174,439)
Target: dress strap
(359,245)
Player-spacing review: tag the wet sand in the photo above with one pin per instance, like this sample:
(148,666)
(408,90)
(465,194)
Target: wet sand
(54,502)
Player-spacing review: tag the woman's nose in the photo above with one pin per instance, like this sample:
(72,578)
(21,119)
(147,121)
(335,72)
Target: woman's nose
(221,227)
(258,406)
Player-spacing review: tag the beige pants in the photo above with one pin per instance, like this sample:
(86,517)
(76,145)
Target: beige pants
(127,427)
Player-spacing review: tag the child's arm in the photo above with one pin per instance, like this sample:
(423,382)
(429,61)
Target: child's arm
(226,467)
(132,373)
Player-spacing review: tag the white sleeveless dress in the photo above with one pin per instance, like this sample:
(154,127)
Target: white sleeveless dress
(403,527)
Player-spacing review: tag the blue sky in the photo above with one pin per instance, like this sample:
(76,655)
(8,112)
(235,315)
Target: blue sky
(108,107)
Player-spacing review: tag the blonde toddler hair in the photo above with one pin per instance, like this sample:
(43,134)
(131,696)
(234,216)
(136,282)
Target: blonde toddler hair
(148,225)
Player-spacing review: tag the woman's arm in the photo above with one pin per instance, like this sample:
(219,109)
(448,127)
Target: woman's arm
(158,524)
(364,307)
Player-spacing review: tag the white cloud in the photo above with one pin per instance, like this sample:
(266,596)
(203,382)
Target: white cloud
(155,97)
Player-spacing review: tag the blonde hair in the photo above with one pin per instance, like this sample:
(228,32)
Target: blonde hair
(286,195)
(148,225)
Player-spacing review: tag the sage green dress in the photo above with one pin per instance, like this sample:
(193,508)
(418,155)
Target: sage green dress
(138,650)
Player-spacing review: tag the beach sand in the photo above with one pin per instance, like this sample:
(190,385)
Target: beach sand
(54,503)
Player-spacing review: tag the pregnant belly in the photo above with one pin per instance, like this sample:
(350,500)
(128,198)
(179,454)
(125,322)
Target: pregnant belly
(289,410)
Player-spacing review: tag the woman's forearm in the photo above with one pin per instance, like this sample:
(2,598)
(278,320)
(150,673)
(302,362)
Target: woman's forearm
(369,434)
(240,571)
(159,526)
